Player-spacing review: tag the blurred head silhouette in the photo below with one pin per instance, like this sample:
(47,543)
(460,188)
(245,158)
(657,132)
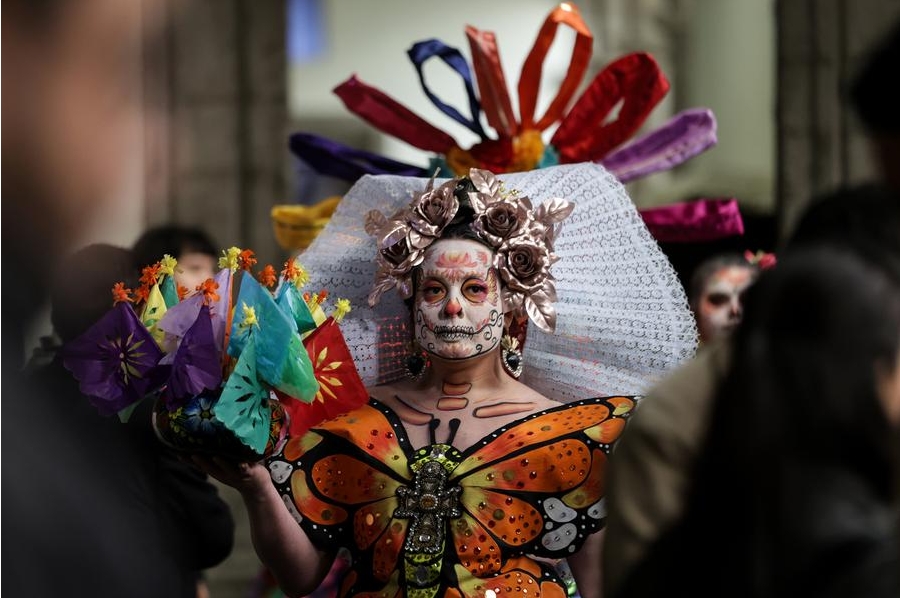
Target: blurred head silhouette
(71,111)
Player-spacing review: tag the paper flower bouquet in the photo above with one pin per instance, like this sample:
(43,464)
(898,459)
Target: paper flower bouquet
(233,367)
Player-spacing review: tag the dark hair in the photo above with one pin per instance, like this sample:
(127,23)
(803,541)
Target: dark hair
(461,225)
(173,240)
(875,93)
(804,358)
(864,219)
(796,418)
(81,289)
(710,266)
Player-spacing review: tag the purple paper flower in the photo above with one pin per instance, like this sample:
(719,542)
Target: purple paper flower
(115,361)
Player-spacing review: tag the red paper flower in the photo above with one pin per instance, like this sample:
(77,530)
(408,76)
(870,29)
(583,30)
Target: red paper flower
(142,293)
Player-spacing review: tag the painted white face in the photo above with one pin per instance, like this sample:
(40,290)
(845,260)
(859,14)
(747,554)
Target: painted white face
(720,308)
(458,311)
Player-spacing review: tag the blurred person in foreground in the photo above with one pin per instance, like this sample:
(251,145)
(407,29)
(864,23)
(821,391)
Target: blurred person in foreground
(792,493)
(648,479)
(875,94)
(183,524)
(70,70)
(70,105)
(656,455)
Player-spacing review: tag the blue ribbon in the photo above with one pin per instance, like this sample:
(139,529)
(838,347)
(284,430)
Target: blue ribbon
(341,161)
(422,51)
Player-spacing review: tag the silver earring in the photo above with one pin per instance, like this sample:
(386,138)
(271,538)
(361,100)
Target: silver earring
(511,356)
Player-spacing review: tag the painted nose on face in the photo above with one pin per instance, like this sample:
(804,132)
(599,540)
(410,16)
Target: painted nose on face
(453,308)
(737,309)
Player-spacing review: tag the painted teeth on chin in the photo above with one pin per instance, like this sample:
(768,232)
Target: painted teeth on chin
(453,335)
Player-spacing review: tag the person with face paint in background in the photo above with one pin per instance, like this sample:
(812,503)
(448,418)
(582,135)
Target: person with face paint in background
(716,294)
(458,479)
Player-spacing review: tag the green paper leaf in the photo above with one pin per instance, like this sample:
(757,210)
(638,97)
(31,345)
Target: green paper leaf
(243,406)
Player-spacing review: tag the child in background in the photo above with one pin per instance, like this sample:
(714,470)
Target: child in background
(192,247)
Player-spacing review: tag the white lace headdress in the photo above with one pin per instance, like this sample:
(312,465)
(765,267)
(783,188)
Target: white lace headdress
(622,314)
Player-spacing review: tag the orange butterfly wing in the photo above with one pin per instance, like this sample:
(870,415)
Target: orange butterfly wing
(536,486)
(346,488)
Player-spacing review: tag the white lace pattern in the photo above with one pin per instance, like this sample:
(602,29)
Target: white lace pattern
(623,319)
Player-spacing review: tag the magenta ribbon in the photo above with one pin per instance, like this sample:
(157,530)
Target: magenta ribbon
(695,221)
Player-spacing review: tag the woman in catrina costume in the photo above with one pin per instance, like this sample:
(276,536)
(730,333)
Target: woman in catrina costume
(477,464)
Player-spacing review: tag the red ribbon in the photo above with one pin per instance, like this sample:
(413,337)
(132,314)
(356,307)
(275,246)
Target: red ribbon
(389,116)
(491,82)
(530,79)
(634,79)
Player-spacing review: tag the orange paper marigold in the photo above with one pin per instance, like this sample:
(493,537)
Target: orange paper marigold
(209,287)
(120,293)
(246,259)
(150,274)
(268,277)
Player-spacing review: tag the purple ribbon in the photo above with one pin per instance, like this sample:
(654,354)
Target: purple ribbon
(341,161)
(685,135)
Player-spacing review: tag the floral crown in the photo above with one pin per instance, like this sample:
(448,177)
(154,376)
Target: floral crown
(522,238)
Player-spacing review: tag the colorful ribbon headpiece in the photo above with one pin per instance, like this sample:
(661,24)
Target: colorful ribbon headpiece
(585,133)
(522,238)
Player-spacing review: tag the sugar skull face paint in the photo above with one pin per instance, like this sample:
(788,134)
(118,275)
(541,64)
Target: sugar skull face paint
(720,307)
(458,311)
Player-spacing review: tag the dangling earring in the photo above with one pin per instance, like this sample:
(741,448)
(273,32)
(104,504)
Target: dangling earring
(417,362)
(511,356)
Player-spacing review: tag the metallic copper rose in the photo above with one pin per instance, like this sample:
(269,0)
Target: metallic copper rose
(431,212)
(524,264)
(503,219)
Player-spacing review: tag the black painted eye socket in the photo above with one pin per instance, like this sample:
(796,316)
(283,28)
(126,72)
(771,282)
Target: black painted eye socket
(718,299)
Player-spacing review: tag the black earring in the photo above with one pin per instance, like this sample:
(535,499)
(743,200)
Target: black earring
(511,356)
(417,363)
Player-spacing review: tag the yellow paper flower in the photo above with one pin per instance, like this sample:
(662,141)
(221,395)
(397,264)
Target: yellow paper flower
(167,265)
(341,309)
(295,273)
(229,258)
(249,316)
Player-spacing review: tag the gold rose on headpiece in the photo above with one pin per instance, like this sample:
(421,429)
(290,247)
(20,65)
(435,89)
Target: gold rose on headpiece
(521,236)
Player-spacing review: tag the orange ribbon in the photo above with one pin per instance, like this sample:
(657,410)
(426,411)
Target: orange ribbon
(530,79)
(491,81)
